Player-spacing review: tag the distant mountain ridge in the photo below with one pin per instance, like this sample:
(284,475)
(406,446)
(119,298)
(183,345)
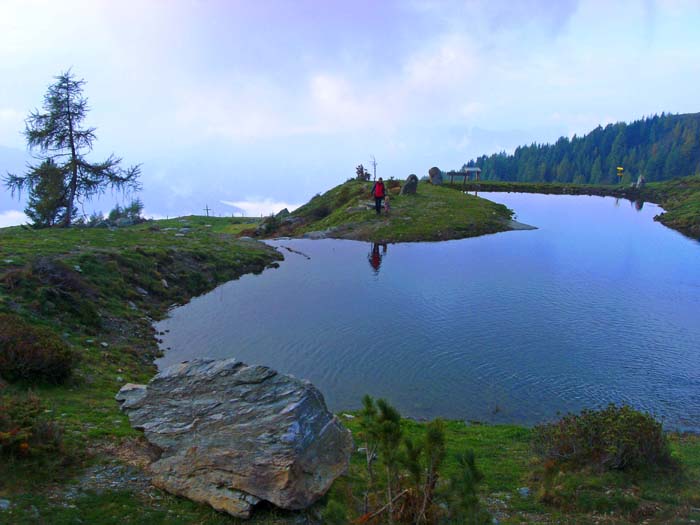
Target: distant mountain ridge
(659,147)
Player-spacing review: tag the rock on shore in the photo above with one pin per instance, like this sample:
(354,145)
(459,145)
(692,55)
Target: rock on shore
(232,435)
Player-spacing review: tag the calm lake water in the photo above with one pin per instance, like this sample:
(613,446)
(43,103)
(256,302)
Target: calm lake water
(600,304)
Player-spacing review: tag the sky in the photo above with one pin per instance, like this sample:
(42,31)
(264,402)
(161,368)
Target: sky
(251,106)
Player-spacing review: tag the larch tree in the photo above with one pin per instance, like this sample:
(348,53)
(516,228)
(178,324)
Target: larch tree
(59,135)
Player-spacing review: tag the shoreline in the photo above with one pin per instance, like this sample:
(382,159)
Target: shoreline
(679,198)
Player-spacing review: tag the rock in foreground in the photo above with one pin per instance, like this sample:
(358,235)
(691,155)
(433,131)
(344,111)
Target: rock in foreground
(232,435)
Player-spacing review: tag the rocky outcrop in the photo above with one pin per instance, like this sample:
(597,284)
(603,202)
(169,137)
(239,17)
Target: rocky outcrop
(435,176)
(232,435)
(410,186)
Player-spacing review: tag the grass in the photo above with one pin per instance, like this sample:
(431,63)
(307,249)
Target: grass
(432,214)
(680,198)
(504,454)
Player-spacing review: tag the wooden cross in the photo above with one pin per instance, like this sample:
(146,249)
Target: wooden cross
(206,209)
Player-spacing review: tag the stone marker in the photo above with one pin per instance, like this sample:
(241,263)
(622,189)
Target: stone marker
(410,186)
(232,435)
(435,176)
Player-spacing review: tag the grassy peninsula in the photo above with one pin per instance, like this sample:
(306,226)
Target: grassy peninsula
(433,214)
(680,198)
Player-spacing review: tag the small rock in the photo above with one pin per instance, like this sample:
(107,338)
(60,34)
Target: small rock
(524,492)
(120,379)
(317,234)
(104,345)
(5,504)
(141,290)
(164,283)
(8,261)
(179,235)
(77,268)
(89,341)
(348,416)
(131,305)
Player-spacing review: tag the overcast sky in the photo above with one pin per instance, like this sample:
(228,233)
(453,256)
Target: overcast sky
(258,104)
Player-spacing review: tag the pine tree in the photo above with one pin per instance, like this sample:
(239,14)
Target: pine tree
(47,195)
(59,135)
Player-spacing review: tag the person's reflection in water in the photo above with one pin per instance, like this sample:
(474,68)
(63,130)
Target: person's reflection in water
(375,258)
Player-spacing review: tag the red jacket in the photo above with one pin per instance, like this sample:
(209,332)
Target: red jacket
(378,190)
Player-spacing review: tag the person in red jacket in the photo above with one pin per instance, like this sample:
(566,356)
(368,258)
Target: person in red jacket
(378,192)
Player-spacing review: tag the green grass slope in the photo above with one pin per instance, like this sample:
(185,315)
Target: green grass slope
(434,213)
(99,290)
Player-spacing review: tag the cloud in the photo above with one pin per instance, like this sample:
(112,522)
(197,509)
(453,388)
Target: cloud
(12,218)
(258,207)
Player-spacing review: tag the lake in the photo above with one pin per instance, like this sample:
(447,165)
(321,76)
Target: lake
(599,304)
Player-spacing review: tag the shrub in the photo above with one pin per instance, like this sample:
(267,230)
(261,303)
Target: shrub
(32,353)
(614,438)
(461,492)
(321,212)
(335,513)
(24,428)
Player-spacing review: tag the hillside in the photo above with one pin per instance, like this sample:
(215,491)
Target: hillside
(659,147)
(432,214)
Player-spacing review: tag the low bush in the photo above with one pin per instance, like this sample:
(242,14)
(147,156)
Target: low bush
(25,430)
(320,212)
(614,438)
(32,353)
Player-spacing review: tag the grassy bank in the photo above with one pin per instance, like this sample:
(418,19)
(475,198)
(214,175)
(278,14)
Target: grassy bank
(432,214)
(97,291)
(680,197)
(514,489)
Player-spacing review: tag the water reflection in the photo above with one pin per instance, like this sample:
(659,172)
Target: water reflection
(573,315)
(638,204)
(375,258)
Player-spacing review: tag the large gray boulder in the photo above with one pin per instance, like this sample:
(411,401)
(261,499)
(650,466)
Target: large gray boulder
(410,186)
(232,435)
(435,176)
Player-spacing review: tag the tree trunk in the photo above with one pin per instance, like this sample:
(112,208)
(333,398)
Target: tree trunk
(73,186)
(388,491)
